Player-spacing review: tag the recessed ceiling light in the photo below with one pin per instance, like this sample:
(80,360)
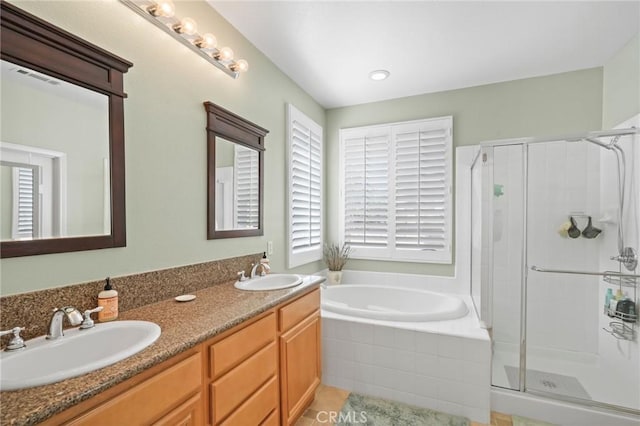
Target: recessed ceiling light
(378,75)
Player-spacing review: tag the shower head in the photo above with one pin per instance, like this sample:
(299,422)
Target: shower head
(621,163)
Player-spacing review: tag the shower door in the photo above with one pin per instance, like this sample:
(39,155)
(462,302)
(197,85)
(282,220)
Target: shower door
(569,353)
(550,333)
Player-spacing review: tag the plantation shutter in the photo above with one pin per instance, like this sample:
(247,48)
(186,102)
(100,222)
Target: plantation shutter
(396,198)
(421,187)
(366,190)
(25,200)
(246,187)
(305,188)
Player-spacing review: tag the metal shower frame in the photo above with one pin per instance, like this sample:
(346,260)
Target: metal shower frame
(487,226)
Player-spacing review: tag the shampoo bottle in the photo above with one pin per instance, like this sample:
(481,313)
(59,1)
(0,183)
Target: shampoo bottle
(108,299)
(607,299)
(613,304)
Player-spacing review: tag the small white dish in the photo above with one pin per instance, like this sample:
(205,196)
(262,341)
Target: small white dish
(185,297)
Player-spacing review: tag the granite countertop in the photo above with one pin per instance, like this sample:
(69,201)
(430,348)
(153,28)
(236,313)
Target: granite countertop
(184,325)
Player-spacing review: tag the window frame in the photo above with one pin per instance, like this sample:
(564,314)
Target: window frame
(246,207)
(391,252)
(313,254)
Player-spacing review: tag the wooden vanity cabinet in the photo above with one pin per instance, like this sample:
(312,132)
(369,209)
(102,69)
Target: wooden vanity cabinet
(262,372)
(300,355)
(266,371)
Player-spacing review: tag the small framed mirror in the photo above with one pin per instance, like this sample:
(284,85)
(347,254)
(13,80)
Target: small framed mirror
(235,169)
(61,142)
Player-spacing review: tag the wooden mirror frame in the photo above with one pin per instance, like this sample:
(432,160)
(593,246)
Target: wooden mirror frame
(34,43)
(225,124)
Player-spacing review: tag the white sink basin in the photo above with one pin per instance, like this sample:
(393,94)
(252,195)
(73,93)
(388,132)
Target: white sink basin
(269,282)
(78,352)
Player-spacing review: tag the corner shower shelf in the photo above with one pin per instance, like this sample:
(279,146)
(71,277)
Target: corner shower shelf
(624,325)
(615,278)
(630,318)
(621,331)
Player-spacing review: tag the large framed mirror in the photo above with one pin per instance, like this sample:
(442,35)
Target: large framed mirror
(235,168)
(62,185)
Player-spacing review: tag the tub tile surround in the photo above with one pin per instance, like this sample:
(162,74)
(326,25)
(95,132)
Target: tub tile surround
(434,365)
(33,310)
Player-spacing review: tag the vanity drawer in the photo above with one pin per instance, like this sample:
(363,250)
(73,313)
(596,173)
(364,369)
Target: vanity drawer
(297,311)
(147,401)
(272,420)
(188,414)
(256,408)
(240,383)
(231,351)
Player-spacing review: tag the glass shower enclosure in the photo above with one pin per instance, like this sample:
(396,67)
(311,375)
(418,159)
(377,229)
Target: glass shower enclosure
(555,227)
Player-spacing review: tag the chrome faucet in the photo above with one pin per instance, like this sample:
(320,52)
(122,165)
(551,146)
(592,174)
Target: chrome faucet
(265,269)
(55,325)
(16,341)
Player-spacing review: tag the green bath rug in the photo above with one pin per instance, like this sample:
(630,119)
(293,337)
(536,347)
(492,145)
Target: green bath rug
(361,410)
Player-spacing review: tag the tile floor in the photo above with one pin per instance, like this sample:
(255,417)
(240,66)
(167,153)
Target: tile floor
(330,400)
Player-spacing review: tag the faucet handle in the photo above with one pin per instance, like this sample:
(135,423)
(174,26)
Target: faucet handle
(87,322)
(16,342)
(241,276)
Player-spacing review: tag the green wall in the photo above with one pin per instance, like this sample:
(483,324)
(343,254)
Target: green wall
(166,144)
(551,105)
(621,85)
(166,138)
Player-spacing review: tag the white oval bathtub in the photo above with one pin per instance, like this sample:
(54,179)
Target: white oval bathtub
(391,303)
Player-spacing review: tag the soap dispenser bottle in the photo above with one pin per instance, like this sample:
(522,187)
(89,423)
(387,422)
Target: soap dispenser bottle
(265,261)
(108,299)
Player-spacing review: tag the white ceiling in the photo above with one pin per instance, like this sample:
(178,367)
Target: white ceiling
(330,47)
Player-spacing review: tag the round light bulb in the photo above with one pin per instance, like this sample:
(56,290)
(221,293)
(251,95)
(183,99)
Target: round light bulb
(186,26)
(164,8)
(378,75)
(207,41)
(240,65)
(225,54)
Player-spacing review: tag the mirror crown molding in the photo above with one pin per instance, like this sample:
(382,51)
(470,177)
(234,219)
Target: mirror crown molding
(29,41)
(228,125)
(225,124)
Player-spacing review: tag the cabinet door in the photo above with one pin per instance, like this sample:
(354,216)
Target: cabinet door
(299,367)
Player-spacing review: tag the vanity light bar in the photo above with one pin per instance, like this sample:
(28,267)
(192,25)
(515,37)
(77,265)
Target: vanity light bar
(161,14)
